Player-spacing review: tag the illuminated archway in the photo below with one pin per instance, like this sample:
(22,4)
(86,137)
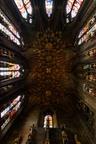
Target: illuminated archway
(48,121)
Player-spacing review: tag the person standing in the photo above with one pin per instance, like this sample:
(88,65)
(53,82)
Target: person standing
(64,135)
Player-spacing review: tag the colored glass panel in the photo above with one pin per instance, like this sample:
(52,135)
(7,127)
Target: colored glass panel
(49,7)
(73,7)
(8,29)
(25,8)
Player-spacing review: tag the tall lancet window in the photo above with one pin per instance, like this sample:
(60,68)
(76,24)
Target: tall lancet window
(73,7)
(8,29)
(25,9)
(10,71)
(49,7)
(48,121)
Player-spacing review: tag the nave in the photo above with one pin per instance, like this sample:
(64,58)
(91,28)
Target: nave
(48,71)
(66,133)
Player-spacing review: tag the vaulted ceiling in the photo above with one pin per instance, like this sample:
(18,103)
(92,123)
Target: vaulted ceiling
(49,49)
(50,59)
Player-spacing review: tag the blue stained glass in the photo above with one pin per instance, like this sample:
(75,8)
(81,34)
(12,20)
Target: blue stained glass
(49,7)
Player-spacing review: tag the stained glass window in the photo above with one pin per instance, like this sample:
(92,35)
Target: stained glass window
(14,102)
(28,6)
(49,7)
(48,121)
(72,7)
(9,70)
(21,8)
(10,110)
(88,31)
(91,53)
(8,29)
(25,9)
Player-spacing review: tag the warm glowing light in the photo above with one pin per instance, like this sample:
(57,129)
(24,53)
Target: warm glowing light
(8,29)
(48,121)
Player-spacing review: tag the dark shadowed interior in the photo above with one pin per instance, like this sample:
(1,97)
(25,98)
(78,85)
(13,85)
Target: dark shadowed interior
(47,71)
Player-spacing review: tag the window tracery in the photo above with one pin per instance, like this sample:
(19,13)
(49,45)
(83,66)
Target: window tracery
(9,70)
(49,7)
(10,110)
(88,31)
(72,8)
(90,89)
(9,30)
(25,9)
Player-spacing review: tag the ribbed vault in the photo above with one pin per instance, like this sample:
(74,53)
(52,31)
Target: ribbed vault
(51,60)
